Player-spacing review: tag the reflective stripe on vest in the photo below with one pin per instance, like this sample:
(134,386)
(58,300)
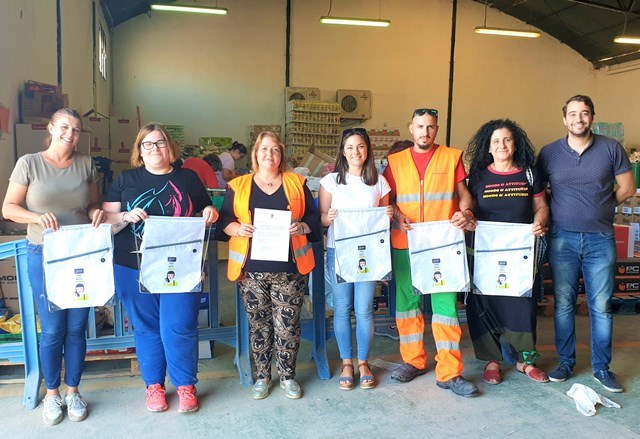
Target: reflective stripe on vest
(431,197)
(239,246)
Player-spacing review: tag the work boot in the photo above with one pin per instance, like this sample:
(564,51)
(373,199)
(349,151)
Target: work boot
(406,373)
(459,386)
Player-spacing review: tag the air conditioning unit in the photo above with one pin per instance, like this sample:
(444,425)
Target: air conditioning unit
(355,104)
(302,94)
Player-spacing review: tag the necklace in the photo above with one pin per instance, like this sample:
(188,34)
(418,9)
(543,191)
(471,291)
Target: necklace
(269,183)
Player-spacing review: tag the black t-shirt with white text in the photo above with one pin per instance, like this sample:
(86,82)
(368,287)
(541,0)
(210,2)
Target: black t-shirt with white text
(504,196)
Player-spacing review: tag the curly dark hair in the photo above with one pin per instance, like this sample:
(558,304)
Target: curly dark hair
(478,148)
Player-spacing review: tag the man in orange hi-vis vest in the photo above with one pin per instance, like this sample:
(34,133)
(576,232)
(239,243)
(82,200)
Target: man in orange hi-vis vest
(427,184)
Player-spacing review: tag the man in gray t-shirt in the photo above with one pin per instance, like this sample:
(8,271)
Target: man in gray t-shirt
(582,170)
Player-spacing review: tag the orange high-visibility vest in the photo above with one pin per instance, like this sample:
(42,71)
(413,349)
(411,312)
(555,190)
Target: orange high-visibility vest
(431,197)
(239,246)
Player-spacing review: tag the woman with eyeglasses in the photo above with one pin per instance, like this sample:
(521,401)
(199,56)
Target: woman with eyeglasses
(49,189)
(502,156)
(272,290)
(355,184)
(165,326)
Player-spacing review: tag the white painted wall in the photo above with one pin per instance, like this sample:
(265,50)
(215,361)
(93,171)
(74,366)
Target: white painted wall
(28,51)
(214,75)
(217,75)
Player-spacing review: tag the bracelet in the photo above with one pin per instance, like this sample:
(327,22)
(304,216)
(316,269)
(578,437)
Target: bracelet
(124,214)
(238,229)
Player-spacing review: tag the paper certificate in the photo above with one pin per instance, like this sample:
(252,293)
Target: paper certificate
(271,236)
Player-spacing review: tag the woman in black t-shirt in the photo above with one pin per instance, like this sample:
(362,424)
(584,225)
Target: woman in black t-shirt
(165,326)
(272,288)
(502,157)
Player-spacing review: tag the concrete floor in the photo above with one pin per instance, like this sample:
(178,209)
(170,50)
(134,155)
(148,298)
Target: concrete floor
(516,408)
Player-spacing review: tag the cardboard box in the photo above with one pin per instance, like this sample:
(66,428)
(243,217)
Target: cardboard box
(123,132)
(30,138)
(626,208)
(98,128)
(37,106)
(314,159)
(624,236)
(8,277)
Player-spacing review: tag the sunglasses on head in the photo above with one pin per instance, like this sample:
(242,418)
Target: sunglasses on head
(351,131)
(423,111)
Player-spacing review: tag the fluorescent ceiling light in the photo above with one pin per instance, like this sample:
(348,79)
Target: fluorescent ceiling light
(186,8)
(626,40)
(355,21)
(506,32)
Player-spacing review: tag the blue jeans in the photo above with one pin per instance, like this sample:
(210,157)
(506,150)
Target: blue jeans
(63,332)
(345,296)
(593,254)
(165,330)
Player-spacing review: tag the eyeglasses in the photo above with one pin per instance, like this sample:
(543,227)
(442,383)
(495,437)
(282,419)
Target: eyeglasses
(149,145)
(351,131)
(423,111)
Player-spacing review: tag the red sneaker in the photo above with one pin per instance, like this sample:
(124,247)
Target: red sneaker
(156,399)
(188,400)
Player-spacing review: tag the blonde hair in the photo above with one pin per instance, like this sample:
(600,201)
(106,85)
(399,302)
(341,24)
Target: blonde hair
(282,167)
(136,155)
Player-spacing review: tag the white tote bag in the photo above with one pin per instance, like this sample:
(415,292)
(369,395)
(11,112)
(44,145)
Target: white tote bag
(78,266)
(503,259)
(362,244)
(172,250)
(438,257)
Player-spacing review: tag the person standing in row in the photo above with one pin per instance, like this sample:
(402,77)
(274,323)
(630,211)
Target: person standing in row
(272,291)
(165,326)
(427,184)
(589,175)
(355,184)
(501,156)
(49,189)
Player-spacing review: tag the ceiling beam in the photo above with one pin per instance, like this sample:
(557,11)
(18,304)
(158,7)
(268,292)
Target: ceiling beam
(607,7)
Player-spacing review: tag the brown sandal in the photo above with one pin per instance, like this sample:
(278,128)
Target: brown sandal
(530,370)
(366,381)
(493,375)
(346,383)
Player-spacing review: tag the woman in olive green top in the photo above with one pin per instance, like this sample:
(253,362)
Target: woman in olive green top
(50,189)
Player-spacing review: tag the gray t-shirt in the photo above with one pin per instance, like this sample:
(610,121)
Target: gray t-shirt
(63,191)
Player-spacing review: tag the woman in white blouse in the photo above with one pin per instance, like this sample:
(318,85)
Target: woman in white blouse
(355,184)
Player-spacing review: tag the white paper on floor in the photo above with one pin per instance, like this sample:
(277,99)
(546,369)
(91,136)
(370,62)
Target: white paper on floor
(586,399)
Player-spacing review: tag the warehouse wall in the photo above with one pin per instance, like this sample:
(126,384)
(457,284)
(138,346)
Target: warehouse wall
(215,75)
(28,51)
(618,100)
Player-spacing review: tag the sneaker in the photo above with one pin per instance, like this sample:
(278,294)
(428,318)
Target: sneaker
(608,381)
(291,389)
(188,400)
(76,407)
(52,409)
(560,373)
(459,386)
(406,373)
(387,331)
(261,388)
(156,398)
